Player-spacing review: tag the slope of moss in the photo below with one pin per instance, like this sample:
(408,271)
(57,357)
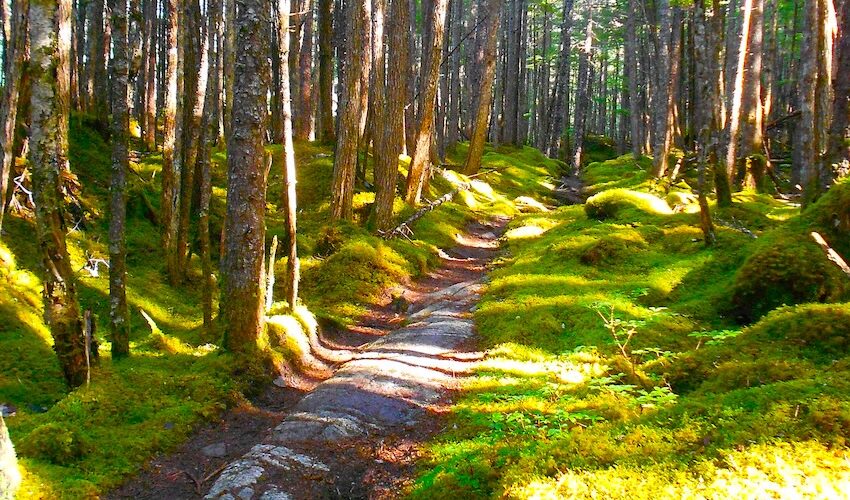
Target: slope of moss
(615,368)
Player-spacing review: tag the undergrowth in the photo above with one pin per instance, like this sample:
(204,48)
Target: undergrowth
(627,360)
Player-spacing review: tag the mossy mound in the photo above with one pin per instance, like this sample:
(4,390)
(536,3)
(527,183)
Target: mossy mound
(787,267)
(613,248)
(623,203)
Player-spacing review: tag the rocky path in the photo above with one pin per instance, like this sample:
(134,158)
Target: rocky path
(358,433)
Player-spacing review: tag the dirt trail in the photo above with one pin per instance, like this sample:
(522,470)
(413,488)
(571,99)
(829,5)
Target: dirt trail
(358,433)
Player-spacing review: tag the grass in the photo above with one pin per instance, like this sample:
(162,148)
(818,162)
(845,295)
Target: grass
(80,444)
(619,363)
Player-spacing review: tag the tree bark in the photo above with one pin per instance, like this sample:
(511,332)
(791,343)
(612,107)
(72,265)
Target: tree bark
(482,111)
(209,130)
(661,91)
(559,105)
(97,54)
(348,130)
(149,55)
(325,117)
(49,29)
(171,174)
(119,318)
(11,94)
(585,77)
(304,124)
(289,201)
(838,151)
(420,164)
(242,300)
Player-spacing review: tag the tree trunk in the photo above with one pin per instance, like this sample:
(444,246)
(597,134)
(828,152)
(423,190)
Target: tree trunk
(171,173)
(289,201)
(733,123)
(209,130)
(585,77)
(482,113)
(304,124)
(420,163)
(49,29)
(97,54)
(119,318)
(149,55)
(191,145)
(752,109)
(242,301)
(325,127)
(455,92)
(559,105)
(348,130)
(11,93)
(661,91)
(838,151)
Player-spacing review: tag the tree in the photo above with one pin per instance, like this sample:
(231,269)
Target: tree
(420,163)
(585,77)
(50,42)
(242,300)
(838,152)
(325,119)
(170,168)
(288,201)
(97,57)
(348,129)
(11,92)
(118,314)
(482,110)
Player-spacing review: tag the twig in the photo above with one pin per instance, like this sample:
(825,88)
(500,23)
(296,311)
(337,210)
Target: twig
(830,253)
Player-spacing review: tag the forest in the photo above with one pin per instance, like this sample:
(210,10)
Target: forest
(296,249)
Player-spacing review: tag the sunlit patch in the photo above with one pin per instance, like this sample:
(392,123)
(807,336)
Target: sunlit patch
(482,188)
(530,231)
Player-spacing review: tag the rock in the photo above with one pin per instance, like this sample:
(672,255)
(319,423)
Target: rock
(215,450)
(275,494)
(10,476)
(7,410)
(246,493)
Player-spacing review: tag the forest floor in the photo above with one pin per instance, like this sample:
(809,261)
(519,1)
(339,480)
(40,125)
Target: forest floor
(359,433)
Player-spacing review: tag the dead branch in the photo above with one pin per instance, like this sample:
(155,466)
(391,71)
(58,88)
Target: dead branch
(831,254)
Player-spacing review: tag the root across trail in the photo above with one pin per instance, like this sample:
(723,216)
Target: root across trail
(358,433)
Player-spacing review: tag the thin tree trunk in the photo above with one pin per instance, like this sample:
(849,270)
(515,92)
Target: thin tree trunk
(838,151)
(326,120)
(585,77)
(661,91)
(348,130)
(289,201)
(171,174)
(482,113)
(209,130)
(559,105)
(119,318)
(455,92)
(420,164)
(242,301)
(49,30)
(149,55)
(304,124)
(199,87)
(11,93)
(97,53)
(734,121)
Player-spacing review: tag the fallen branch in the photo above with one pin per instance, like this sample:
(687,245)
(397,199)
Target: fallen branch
(736,225)
(830,253)
(779,121)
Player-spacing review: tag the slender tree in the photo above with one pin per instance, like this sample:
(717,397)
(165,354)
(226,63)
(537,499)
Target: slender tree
(170,168)
(242,301)
(13,61)
(482,112)
(420,163)
(118,314)
(50,41)
(288,201)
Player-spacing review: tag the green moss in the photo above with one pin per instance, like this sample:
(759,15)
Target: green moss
(622,203)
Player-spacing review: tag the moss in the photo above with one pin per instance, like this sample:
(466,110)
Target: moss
(621,203)
(55,443)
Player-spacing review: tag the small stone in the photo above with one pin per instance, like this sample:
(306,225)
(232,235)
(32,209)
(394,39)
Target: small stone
(275,494)
(280,382)
(168,425)
(215,450)
(246,493)
(7,410)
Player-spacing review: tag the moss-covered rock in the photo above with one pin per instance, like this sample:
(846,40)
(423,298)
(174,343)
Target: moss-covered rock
(56,443)
(616,203)
(613,248)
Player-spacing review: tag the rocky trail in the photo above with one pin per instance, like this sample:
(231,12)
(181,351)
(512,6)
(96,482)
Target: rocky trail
(358,433)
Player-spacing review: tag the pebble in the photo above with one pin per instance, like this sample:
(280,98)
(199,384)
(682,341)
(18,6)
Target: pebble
(7,410)
(215,450)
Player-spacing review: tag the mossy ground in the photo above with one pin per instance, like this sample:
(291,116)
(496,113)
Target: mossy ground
(702,405)
(79,444)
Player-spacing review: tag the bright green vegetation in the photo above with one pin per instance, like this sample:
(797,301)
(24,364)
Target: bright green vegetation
(626,360)
(80,444)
